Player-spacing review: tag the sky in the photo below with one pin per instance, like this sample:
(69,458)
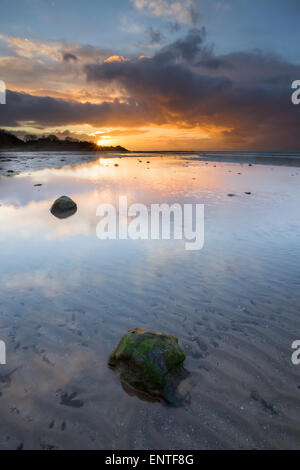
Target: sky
(153,74)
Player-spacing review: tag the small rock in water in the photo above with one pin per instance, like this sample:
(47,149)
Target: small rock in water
(37,185)
(63,207)
(230,195)
(248,193)
(150,362)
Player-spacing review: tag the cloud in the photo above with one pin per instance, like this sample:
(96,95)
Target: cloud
(250,67)
(50,68)
(186,84)
(174,27)
(128,25)
(155,35)
(29,49)
(52,51)
(115,58)
(190,48)
(240,100)
(22,108)
(184,11)
(68,57)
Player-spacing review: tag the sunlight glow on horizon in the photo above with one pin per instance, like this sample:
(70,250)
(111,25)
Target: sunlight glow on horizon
(103,141)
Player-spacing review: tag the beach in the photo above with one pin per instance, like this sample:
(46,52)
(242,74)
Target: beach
(66,299)
(14,161)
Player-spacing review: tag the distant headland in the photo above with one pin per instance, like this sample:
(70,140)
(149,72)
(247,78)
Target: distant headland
(32,143)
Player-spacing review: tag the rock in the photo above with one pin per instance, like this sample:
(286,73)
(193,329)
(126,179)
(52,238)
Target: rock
(230,195)
(63,207)
(248,193)
(150,362)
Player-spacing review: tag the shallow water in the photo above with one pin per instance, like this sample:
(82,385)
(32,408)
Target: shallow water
(66,298)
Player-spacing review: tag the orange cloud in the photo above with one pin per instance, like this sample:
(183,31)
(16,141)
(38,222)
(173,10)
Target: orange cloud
(29,49)
(116,58)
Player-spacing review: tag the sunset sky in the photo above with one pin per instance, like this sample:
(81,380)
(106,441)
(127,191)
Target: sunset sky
(153,74)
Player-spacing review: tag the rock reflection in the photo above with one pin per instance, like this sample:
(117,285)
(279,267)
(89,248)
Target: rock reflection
(132,392)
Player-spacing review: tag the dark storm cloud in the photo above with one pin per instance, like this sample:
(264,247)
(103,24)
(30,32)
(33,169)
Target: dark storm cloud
(247,92)
(254,66)
(184,85)
(173,88)
(174,27)
(155,35)
(45,111)
(194,14)
(189,48)
(68,57)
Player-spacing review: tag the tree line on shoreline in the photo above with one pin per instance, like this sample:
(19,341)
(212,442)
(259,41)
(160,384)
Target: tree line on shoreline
(9,141)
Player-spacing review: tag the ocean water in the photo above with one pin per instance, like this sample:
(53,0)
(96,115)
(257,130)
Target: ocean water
(66,298)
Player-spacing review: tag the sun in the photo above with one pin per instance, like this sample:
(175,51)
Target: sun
(103,141)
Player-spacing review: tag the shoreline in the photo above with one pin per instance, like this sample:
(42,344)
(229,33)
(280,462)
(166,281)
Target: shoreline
(16,162)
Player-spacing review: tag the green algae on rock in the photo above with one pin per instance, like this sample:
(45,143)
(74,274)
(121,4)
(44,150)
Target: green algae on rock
(149,361)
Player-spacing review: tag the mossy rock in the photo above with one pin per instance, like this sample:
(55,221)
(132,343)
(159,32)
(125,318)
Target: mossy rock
(149,361)
(63,207)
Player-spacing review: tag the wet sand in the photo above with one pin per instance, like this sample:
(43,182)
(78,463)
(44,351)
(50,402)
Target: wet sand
(13,163)
(66,298)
